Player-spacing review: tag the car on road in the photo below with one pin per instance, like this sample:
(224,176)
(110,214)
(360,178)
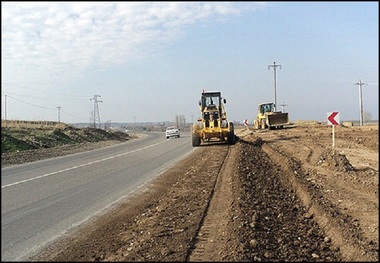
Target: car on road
(172,131)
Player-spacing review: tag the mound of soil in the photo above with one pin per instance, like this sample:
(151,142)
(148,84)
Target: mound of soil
(21,145)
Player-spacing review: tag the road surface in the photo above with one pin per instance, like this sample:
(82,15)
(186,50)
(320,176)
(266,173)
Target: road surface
(43,200)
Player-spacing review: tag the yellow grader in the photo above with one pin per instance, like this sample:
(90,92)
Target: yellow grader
(213,125)
(268,118)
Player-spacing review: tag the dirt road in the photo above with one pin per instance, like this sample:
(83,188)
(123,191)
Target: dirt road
(276,195)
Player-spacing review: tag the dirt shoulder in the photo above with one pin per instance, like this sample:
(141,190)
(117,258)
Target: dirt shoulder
(276,195)
(338,185)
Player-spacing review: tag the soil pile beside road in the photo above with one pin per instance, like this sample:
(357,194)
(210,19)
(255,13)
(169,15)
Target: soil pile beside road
(32,143)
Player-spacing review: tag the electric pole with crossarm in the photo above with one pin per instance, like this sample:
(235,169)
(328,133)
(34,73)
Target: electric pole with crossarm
(360,84)
(59,114)
(283,107)
(274,66)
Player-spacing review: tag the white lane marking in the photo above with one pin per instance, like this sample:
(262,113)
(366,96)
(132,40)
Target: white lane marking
(78,166)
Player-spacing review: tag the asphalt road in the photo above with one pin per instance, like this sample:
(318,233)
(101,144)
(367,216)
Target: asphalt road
(43,200)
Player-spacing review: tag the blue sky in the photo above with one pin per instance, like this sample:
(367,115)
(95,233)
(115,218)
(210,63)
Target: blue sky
(149,61)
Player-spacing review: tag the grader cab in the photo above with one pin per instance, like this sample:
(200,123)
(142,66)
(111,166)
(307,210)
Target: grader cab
(213,125)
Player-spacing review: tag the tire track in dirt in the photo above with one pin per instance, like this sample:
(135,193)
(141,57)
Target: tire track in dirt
(213,230)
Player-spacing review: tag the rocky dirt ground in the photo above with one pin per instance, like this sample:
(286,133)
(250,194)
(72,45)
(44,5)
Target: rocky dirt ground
(275,195)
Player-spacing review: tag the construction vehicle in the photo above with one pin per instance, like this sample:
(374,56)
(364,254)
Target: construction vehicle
(268,118)
(213,125)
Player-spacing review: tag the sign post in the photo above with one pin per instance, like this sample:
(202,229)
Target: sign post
(246,123)
(333,119)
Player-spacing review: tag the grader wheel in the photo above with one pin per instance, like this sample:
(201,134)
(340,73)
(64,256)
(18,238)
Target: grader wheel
(196,141)
(231,134)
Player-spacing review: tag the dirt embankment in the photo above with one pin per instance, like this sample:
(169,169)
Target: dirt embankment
(276,195)
(29,143)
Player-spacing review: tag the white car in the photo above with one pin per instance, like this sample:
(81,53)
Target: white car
(172,131)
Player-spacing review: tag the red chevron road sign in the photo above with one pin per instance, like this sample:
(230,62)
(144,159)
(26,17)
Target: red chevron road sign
(333,118)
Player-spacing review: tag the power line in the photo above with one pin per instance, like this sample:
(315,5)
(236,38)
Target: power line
(23,95)
(74,116)
(68,100)
(34,105)
(30,103)
(38,90)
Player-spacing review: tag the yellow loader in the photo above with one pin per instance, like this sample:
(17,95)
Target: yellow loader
(268,118)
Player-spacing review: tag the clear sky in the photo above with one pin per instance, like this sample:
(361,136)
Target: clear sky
(149,61)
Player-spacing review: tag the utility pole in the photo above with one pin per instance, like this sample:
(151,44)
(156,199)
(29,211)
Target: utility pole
(59,114)
(283,107)
(5,110)
(274,66)
(96,110)
(360,84)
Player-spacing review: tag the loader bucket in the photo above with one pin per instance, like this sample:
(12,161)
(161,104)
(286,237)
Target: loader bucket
(277,118)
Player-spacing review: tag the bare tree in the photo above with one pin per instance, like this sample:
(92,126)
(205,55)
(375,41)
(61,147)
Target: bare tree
(180,120)
(367,117)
